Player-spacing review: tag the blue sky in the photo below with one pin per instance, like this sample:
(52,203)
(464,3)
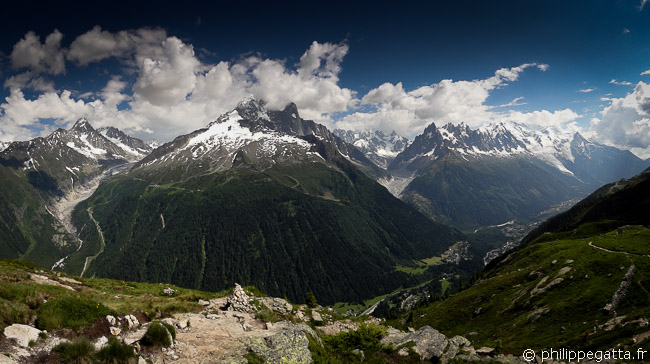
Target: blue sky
(367,65)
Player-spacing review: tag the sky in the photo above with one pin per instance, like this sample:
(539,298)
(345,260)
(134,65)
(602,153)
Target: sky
(158,72)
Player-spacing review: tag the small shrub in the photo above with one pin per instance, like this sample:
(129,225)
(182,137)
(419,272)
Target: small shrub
(70,313)
(252,290)
(42,335)
(14,313)
(254,358)
(31,343)
(310,298)
(366,338)
(170,328)
(79,351)
(116,352)
(157,335)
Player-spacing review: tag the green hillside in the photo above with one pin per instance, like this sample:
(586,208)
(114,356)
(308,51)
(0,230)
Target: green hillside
(467,193)
(581,280)
(290,229)
(516,306)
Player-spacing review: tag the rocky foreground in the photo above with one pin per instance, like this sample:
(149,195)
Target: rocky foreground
(234,329)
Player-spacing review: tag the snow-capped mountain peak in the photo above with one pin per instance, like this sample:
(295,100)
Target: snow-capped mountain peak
(135,148)
(253,135)
(560,149)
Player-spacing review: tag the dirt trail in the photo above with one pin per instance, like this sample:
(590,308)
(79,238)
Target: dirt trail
(591,244)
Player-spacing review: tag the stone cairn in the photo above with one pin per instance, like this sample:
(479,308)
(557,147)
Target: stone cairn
(239,300)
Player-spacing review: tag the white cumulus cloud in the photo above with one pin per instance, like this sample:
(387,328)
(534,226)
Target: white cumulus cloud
(38,57)
(448,101)
(625,123)
(97,44)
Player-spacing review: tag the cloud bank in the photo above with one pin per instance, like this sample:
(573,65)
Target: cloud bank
(163,89)
(626,121)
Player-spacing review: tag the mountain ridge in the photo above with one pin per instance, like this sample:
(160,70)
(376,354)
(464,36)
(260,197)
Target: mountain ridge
(466,177)
(263,189)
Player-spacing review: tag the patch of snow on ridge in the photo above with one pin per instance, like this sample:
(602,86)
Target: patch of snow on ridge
(229,134)
(86,149)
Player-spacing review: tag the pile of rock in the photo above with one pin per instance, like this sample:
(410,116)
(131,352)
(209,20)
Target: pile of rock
(239,300)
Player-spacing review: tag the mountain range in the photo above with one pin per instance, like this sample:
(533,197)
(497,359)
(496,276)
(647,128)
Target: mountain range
(268,198)
(470,178)
(258,196)
(39,176)
(579,280)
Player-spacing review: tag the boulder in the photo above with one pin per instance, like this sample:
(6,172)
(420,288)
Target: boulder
(100,343)
(23,334)
(53,342)
(278,305)
(111,320)
(132,321)
(316,316)
(429,343)
(289,345)
(460,341)
(485,350)
(115,330)
(7,360)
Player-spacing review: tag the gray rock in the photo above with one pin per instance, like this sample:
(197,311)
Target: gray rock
(132,321)
(111,320)
(290,345)
(316,316)
(204,303)
(54,342)
(23,334)
(429,343)
(460,341)
(7,360)
(100,343)
(485,350)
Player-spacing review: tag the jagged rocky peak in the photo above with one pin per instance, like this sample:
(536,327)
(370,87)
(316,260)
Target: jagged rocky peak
(135,147)
(112,132)
(82,125)
(252,109)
